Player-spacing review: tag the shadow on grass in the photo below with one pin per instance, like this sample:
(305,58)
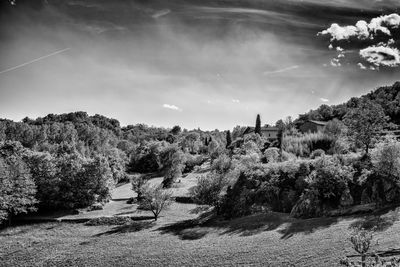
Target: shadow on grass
(378,221)
(287,226)
(128,228)
(307,226)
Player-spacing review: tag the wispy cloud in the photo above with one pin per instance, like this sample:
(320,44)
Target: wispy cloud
(173,107)
(161,13)
(324,99)
(281,70)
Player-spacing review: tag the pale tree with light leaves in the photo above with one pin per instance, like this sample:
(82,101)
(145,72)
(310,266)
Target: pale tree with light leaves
(155,199)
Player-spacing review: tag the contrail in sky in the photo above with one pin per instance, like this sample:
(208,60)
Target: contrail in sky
(34,60)
(281,70)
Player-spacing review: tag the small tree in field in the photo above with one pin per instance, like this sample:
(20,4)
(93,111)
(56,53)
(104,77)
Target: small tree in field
(365,124)
(361,241)
(155,198)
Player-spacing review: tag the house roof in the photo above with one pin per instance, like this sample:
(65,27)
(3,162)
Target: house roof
(250,129)
(323,123)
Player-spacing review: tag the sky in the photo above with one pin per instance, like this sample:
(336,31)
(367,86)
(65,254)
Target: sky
(194,63)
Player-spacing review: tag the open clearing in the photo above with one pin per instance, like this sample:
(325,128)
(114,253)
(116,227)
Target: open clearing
(182,236)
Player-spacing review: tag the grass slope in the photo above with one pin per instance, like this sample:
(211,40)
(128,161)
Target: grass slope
(184,237)
(177,239)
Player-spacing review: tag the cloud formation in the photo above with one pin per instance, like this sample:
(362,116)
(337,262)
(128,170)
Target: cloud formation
(381,56)
(363,30)
(375,41)
(173,107)
(324,99)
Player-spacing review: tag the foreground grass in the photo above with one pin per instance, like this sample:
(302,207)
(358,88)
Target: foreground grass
(179,240)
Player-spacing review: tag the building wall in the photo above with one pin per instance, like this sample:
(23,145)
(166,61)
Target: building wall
(270,133)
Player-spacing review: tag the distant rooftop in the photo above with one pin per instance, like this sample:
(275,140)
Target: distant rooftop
(319,122)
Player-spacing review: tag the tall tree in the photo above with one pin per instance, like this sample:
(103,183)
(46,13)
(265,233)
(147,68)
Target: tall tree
(228,138)
(365,123)
(257,130)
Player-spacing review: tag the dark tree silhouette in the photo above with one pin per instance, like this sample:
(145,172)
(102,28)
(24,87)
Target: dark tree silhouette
(228,138)
(257,130)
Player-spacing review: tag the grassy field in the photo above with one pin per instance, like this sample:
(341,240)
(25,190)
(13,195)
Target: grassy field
(185,235)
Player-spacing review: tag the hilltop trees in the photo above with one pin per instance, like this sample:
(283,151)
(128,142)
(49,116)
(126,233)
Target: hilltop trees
(365,123)
(257,129)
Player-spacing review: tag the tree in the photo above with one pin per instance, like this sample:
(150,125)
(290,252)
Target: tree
(257,130)
(17,189)
(361,240)
(173,160)
(228,138)
(176,130)
(190,141)
(365,123)
(155,198)
(137,182)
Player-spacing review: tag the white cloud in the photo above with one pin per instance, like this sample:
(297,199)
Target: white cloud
(361,66)
(381,56)
(335,62)
(363,30)
(235,100)
(338,32)
(173,107)
(324,99)
(383,22)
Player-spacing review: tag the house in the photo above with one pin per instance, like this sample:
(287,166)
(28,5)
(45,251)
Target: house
(269,132)
(312,126)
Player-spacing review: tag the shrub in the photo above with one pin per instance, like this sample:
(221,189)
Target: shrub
(208,189)
(192,161)
(317,154)
(222,164)
(271,154)
(330,178)
(303,145)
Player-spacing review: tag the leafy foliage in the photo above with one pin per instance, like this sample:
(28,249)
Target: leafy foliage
(17,189)
(364,123)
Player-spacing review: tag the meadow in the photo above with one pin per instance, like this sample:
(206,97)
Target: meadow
(187,235)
